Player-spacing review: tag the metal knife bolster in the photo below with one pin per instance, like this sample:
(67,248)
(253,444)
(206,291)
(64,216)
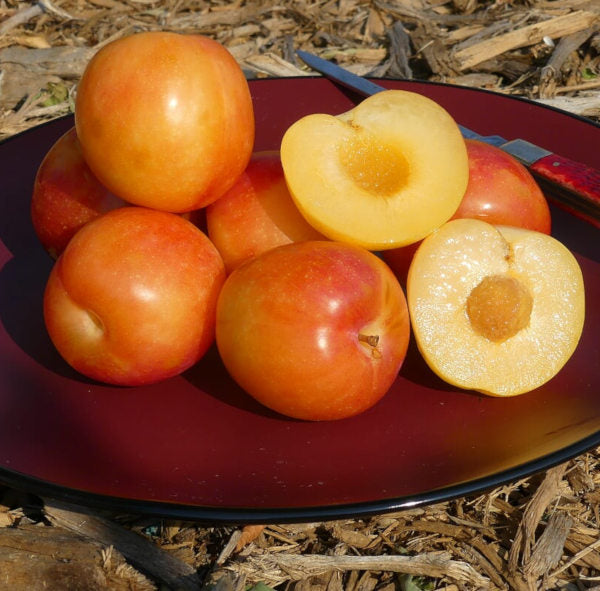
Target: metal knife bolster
(525,151)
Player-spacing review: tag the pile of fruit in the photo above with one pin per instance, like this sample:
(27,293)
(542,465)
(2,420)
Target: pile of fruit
(170,234)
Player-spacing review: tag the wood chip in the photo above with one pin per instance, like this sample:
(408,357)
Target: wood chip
(348,535)
(139,551)
(20,17)
(550,76)
(548,549)
(248,535)
(276,568)
(6,519)
(272,65)
(34,557)
(585,106)
(523,37)
(548,491)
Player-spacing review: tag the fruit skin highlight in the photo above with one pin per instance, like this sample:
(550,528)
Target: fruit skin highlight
(382,175)
(165,120)
(132,298)
(314,330)
(468,293)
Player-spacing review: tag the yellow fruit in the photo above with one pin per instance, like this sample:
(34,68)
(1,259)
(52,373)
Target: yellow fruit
(382,175)
(495,309)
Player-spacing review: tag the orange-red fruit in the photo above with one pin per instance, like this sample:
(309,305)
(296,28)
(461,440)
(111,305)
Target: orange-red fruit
(256,214)
(501,191)
(314,330)
(66,195)
(165,120)
(132,299)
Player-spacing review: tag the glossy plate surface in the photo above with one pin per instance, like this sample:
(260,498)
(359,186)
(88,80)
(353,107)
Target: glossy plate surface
(197,447)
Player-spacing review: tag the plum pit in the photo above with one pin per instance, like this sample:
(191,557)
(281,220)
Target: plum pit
(499,307)
(377,168)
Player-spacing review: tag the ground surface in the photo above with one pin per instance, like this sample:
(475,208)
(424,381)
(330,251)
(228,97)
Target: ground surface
(538,533)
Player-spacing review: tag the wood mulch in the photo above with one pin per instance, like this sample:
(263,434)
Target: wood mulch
(542,532)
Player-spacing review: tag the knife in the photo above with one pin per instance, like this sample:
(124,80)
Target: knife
(573,186)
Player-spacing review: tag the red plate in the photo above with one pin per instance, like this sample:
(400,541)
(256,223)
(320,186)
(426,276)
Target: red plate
(196,447)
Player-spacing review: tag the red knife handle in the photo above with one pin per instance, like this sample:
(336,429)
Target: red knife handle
(573,186)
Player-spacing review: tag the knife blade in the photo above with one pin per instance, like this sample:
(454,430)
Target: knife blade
(572,185)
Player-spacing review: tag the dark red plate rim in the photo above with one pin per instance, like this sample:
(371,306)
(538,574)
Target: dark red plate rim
(453,444)
(249,515)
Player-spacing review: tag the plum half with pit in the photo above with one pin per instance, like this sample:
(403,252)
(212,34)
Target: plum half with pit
(496,309)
